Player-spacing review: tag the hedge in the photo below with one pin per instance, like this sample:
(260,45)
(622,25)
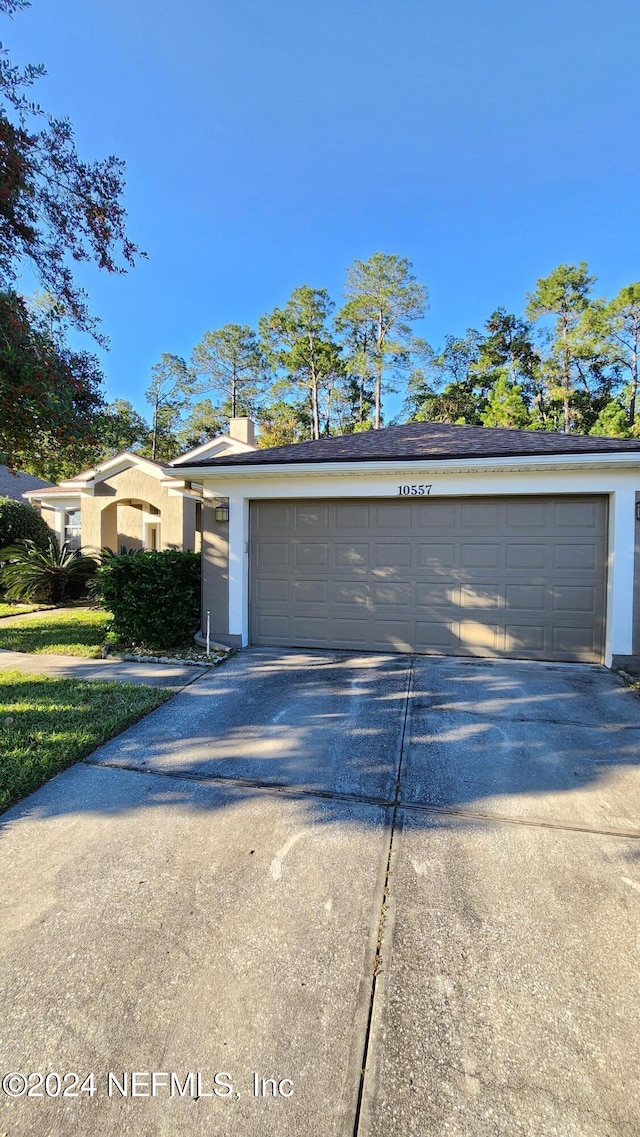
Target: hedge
(21,522)
(154,597)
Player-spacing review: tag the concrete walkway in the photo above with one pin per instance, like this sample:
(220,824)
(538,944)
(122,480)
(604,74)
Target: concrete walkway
(174,676)
(374,895)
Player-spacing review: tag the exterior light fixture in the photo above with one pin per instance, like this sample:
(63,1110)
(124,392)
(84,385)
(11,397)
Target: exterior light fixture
(221,513)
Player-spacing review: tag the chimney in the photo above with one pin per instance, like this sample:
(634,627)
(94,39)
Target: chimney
(243,430)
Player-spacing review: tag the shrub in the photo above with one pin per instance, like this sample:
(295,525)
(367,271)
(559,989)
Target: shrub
(49,576)
(21,522)
(154,596)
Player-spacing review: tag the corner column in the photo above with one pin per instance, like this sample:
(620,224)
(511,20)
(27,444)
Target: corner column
(239,568)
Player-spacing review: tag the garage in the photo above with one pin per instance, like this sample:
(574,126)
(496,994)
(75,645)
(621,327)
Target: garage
(505,576)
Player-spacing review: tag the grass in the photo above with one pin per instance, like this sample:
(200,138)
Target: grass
(61,633)
(48,724)
(8,609)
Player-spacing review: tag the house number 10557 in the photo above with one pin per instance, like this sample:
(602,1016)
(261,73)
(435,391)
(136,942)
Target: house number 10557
(416,490)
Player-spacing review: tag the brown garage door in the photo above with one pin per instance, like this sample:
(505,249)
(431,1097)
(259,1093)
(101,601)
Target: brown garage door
(521,577)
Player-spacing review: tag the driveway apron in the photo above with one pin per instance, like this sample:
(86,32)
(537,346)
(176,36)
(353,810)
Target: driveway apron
(373,894)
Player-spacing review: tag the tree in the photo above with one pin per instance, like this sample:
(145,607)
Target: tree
(203,423)
(54,206)
(358,388)
(620,325)
(168,393)
(55,210)
(298,343)
(383,300)
(446,387)
(230,362)
(612,422)
(282,422)
(565,294)
(119,428)
(50,397)
(505,406)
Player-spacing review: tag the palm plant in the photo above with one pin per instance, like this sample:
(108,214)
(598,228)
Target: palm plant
(49,576)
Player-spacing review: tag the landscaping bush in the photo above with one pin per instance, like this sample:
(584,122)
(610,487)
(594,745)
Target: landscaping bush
(21,522)
(52,575)
(154,597)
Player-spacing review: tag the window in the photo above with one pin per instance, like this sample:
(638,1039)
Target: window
(72,528)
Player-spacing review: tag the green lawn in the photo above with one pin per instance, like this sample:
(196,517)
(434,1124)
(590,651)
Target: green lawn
(62,633)
(7,609)
(48,724)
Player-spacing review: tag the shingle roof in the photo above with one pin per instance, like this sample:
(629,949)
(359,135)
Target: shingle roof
(14,485)
(432,440)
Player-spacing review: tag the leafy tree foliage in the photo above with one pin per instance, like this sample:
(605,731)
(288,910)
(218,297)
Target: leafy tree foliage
(383,300)
(203,422)
(50,396)
(168,393)
(54,206)
(56,209)
(119,428)
(230,362)
(298,342)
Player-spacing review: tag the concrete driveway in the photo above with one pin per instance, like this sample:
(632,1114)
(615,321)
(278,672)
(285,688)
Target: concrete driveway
(373,895)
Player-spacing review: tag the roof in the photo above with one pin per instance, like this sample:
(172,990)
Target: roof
(15,485)
(433,440)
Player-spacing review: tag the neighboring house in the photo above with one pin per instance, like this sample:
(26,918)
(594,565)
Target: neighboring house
(17,485)
(129,502)
(427,538)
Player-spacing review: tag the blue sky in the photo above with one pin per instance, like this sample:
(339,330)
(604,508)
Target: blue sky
(268,145)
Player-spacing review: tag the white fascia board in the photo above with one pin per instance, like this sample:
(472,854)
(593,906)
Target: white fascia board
(221,444)
(418,466)
(124,461)
(54,496)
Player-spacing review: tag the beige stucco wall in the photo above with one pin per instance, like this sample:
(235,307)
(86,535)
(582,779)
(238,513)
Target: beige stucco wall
(109,518)
(215,571)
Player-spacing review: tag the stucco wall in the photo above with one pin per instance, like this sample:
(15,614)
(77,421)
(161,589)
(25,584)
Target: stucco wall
(215,572)
(107,520)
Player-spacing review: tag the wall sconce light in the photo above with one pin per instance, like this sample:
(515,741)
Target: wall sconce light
(221,513)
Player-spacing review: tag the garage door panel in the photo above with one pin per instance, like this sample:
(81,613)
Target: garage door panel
(574,598)
(311,517)
(525,639)
(506,576)
(481,515)
(392,555)
(480,597)
(437,595)
(398,595)
(440,634)
(573,642)
(480,555)
(272,590)
(310,591)
(437,555)
(575,556)
(395,516)
(527,555)
(349,554)
(350,517)
(528,515)
(441,515)
(526,597)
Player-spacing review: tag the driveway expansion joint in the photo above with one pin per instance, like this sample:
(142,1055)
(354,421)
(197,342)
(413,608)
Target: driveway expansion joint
(428,808)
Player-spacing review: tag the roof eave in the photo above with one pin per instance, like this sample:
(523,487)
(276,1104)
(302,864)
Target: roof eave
(600,460)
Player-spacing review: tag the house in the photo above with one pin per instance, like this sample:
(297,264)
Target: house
(16,485)
(427,538)
(129,502)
